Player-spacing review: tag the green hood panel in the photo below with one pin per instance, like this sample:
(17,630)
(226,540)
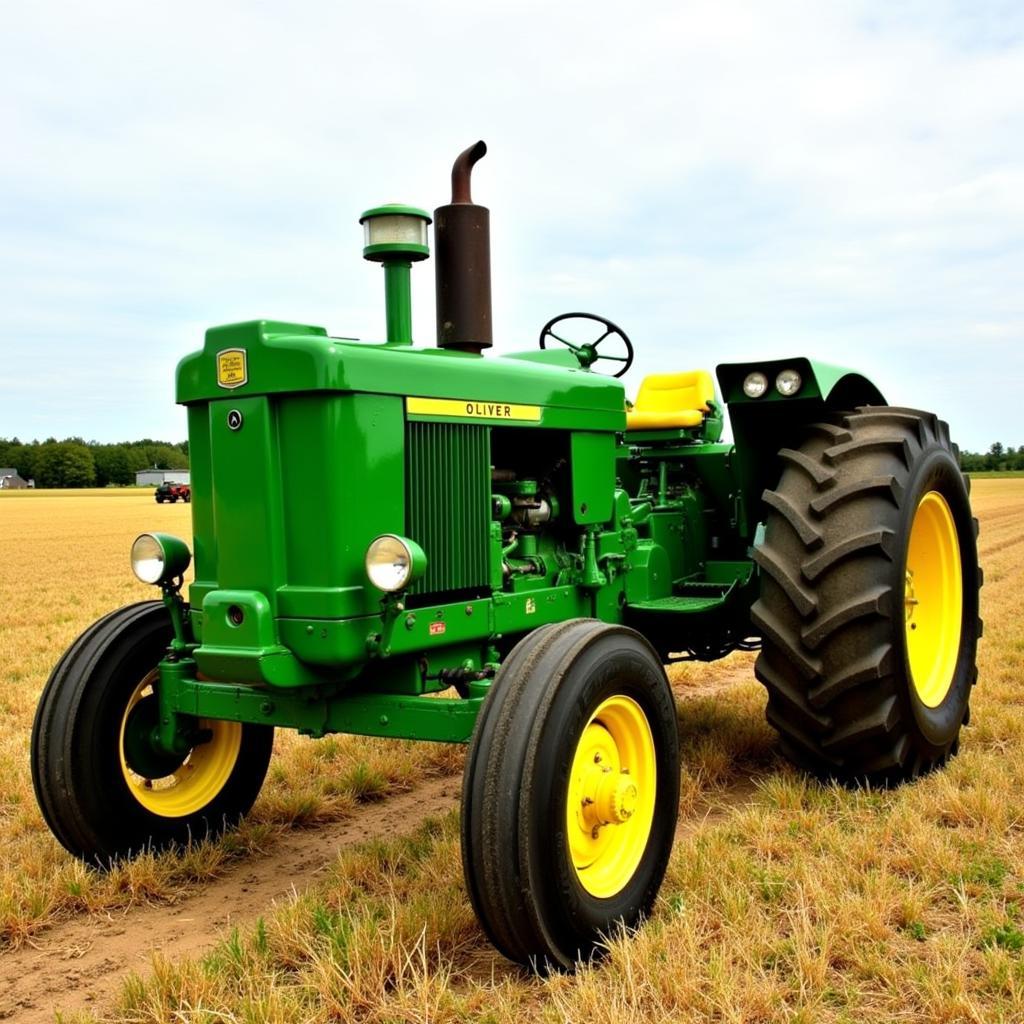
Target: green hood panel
(263,357)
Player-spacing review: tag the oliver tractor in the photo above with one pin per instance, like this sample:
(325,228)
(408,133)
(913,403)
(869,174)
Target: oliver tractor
(375,525)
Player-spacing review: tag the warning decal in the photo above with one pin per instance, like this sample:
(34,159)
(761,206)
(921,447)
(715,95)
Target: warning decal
(232,371)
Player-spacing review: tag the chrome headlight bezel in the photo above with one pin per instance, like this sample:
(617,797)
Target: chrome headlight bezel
(158,558)
(392,562)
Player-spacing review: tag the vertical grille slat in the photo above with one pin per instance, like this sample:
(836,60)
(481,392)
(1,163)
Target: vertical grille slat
(448,491)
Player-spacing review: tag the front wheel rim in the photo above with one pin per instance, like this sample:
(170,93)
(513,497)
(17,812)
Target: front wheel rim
(933,600)
(199,778)
(611,794)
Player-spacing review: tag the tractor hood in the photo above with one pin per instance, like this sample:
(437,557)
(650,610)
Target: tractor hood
(265,357)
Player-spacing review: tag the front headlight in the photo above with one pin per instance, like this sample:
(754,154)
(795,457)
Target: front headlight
(393,562)
(159,557)
(755,384)
(788,382)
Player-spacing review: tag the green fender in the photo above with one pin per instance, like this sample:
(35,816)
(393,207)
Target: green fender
(761,426)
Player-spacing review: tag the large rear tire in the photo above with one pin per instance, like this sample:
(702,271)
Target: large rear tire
(869,597)
(102,790)
(571,793)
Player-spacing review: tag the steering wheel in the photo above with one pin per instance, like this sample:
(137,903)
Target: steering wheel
(587,353)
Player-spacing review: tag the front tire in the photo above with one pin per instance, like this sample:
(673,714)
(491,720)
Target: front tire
(869,597)
(106,796)
(571,793)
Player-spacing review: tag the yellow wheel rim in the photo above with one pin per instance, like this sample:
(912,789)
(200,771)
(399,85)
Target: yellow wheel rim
(933,600)
(197,780)
(610,807)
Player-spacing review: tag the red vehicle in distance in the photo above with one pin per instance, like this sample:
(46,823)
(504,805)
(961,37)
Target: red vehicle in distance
(169,491)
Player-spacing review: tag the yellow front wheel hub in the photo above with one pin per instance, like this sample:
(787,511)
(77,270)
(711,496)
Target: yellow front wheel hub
(933,600)
(202,774)
(610,806)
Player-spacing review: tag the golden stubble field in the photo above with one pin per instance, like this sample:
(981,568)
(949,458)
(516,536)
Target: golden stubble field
(785,900)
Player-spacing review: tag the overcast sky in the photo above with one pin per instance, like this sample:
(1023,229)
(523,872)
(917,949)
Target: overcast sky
(725,180)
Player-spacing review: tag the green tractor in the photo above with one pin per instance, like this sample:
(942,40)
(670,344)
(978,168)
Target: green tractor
(378,524)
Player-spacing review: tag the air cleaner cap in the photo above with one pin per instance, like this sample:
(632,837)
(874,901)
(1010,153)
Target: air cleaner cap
(395,231)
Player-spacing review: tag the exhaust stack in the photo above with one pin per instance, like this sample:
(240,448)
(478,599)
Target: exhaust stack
(462,248)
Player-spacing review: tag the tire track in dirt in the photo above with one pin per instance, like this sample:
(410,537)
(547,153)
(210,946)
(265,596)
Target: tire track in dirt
(998,545)
(81,963)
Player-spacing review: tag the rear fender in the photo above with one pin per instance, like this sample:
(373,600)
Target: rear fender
(761,426)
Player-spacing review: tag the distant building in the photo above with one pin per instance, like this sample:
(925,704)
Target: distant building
(152,477)
(9,480)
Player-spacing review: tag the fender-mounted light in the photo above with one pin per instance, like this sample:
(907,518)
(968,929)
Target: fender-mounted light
(393,562)
(159,557)
(755,384)
(788,382)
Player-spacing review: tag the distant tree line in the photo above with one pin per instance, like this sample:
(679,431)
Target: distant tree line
(77,463)
(998,458)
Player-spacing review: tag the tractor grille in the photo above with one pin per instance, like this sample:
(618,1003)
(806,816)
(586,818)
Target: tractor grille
(448,493)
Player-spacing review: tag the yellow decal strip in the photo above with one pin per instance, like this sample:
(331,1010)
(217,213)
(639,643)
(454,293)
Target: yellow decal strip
(468,410)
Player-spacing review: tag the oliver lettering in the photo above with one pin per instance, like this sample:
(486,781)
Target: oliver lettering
(491,410)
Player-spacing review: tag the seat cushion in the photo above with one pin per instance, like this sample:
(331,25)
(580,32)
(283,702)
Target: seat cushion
(668,420)
(668,401)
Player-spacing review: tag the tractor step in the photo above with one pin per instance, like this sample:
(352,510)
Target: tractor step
(700,615)
(705,587)
(685,603)
(699,595)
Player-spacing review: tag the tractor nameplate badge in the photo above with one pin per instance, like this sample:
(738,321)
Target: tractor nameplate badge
(232,370)
(469,410)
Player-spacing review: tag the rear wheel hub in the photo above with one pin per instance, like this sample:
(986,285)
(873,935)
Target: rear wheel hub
(933,599)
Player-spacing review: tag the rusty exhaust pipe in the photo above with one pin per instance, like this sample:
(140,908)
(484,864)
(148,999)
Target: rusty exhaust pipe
(462,263)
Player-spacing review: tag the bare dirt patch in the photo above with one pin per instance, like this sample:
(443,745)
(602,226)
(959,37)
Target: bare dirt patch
(81,963)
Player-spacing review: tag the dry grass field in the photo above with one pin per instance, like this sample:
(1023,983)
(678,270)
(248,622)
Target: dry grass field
(785,900)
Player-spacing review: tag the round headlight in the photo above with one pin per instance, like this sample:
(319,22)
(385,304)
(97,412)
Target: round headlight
(393,562)
(159,557)
(788,382)
(755,384)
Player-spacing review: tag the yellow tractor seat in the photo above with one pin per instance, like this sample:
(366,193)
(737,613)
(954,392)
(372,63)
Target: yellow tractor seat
(672,401)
